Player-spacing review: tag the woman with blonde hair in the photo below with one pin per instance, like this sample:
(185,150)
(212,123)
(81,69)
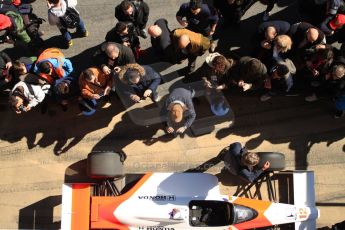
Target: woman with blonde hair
(282,44)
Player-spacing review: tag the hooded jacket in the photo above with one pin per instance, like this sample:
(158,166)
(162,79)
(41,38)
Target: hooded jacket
(149,79)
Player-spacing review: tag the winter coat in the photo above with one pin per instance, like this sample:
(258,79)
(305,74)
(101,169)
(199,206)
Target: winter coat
(89,89)
(35,98)
(199,44)
(149,79)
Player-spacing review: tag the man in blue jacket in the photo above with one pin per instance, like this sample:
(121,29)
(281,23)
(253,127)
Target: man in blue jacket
(180,110)
(140,82)
(239,161)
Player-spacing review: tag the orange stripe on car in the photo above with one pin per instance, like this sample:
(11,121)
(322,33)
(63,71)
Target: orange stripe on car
(258,205)
(80,207)
(105,207)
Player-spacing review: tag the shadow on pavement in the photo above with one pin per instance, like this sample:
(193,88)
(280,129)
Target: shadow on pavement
(40,215)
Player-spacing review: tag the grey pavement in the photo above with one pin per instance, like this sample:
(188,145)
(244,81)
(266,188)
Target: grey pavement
(32,175)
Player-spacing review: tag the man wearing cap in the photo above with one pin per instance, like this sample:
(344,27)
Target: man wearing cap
(198,17)
(180,110)
(139,82)
(12,29)
(189,44)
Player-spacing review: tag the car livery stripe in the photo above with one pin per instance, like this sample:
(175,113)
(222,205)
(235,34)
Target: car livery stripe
(258,205)
(106,207)
(80,207)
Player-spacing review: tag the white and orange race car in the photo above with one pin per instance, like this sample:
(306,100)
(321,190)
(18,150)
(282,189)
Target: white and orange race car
(176,201)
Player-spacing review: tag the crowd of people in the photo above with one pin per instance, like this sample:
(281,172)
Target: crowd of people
(287,59)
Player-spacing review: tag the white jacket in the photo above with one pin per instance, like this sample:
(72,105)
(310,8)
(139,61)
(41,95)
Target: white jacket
(35,98)
(55,12)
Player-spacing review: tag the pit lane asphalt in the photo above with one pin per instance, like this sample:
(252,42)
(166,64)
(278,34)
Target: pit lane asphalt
(31,175)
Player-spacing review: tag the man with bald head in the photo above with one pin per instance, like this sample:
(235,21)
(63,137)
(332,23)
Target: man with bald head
(188,44)
(269,30)
(304,36)
(160,39)
(111,55)
(180,110)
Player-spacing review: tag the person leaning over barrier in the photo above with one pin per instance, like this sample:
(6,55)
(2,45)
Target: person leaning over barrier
(180,110)
(239,161)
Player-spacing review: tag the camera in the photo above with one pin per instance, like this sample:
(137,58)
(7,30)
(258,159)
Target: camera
(22,108)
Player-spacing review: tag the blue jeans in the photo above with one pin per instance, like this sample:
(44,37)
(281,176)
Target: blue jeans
(66,34)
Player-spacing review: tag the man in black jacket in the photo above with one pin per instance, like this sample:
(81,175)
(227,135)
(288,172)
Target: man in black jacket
(125,35)
(135,12)
(161,39)
(112,55)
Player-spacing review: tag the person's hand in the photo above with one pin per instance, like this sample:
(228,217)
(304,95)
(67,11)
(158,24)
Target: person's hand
(169,129)
(106,70)
(107,90)
(183,23)
(8,65)
(266,45)
(207,84)
(267,84)
(320,46)
(181,130)
(210,33)
(96,96)
(315,72)
(127,44)
(266,165)
(117,69)
(246,86)
(220,87)
(147,93)
(135,98)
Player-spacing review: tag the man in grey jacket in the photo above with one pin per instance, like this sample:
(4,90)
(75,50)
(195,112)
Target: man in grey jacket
(180,110)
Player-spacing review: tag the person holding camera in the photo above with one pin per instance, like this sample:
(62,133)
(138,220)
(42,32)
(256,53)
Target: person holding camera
(25,96)
(239,161)
(94,85)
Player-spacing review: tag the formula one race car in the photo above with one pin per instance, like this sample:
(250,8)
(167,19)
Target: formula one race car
(175,201)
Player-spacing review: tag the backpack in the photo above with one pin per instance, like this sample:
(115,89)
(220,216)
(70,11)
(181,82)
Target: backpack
(71,18)
(52,53)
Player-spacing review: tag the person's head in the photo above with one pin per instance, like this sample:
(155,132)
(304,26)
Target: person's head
(121,28)
(312,35)
(17,100)
(338,71)
(5,22)
(127,7)
(253,72)
(184,41)
(250,159)
(45,67)
(270,33)
(132,76)
(283,43)
(154,31)
(195,6)
(279,71)
(89,76)
(219,64)
(112,51)
(18,68)
(176,113)
(54,2)
(231,2)
(63,87)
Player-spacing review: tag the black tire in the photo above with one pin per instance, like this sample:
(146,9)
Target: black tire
(277,160)
(104,165)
